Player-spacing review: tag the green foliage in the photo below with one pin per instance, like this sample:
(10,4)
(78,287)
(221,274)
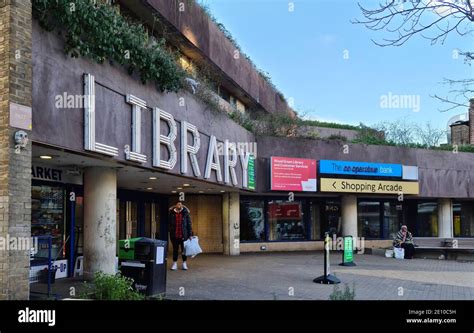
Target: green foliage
(111,287)
(243,120)
(337,137)
(96,30)
(312,135)
(327,124)
(454,148)
(370,136)
(264,75)
(346,295)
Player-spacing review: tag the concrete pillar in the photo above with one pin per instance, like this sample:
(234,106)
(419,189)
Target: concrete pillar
(349,215)
(100,220)
(15,163)
(445,218)
(231,223)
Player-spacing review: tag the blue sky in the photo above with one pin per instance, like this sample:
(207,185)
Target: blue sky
(303,51)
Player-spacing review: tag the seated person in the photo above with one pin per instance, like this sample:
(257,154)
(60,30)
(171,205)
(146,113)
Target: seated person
(404,239)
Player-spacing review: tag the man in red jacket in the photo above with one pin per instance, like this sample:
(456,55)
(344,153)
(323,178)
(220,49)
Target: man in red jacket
(180,229)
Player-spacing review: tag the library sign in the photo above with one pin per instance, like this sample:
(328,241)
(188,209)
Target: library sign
(224,173)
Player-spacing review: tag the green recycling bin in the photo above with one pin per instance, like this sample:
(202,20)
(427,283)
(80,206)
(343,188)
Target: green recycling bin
(144,260)
(127,248)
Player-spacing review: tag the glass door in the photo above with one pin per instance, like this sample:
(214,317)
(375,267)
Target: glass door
(152,220)
(128,219)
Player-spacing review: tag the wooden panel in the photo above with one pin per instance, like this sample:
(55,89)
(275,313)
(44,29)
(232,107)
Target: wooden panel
(206,215)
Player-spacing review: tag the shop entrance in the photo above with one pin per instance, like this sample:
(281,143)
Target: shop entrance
(379,219)
(57,212)
(142,215)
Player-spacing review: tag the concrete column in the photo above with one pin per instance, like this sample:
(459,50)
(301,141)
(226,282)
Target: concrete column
(445,218)
(231,223)
(349,215)
(100,220)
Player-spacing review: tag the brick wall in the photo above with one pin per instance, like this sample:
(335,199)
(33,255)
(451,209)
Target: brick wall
(15,168)
(206,215)
(460,134)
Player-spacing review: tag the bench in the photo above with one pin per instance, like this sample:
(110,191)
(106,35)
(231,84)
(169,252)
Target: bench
(448,246)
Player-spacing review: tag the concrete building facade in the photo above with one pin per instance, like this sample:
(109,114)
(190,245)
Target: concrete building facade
(110,167)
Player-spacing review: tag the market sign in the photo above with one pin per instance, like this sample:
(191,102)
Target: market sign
(369,186)
(293,174)
(360,168)
(56,174)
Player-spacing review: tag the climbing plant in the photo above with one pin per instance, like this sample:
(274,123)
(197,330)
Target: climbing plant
(96,30)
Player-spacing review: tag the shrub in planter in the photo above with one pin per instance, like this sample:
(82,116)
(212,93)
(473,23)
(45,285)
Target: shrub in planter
(111,287)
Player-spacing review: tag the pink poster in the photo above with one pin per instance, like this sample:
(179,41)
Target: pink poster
(293,174)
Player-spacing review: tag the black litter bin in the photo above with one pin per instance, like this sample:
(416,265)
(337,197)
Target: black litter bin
(144,260)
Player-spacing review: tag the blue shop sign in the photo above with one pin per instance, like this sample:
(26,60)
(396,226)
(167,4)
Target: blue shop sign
(359,168)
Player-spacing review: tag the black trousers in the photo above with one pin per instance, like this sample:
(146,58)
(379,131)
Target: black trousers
(409,250)
(177,243)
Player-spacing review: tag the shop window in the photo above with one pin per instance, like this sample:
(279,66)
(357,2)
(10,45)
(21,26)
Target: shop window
(463,219)
(331,218)
(285,220)
(427,221)
(392,219)
(368,214)
(379,219)
(47,217)
(252,220)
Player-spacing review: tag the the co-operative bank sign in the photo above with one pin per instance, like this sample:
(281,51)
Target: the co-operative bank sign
(376,177)
(360,168)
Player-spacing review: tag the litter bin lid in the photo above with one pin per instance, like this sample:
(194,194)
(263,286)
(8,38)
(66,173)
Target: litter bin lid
(156,242)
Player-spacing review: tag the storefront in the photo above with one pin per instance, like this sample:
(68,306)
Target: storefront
(275,219)
(57,211)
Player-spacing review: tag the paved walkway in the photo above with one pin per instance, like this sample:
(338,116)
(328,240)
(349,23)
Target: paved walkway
(289,276)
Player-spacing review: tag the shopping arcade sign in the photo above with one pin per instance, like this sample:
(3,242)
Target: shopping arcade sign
(225,172)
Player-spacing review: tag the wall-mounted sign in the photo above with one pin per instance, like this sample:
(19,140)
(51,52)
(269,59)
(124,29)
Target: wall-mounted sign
(251,173)
(369,186)
(293,174)
(20,116)
(166,147)
(410,172)
(55,174)
(359,168)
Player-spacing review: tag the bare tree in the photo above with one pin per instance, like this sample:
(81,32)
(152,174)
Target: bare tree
(431,19)
(404,133)
(399,132)
(428,135)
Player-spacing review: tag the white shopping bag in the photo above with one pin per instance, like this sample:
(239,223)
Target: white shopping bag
(191,247)
(399,252)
